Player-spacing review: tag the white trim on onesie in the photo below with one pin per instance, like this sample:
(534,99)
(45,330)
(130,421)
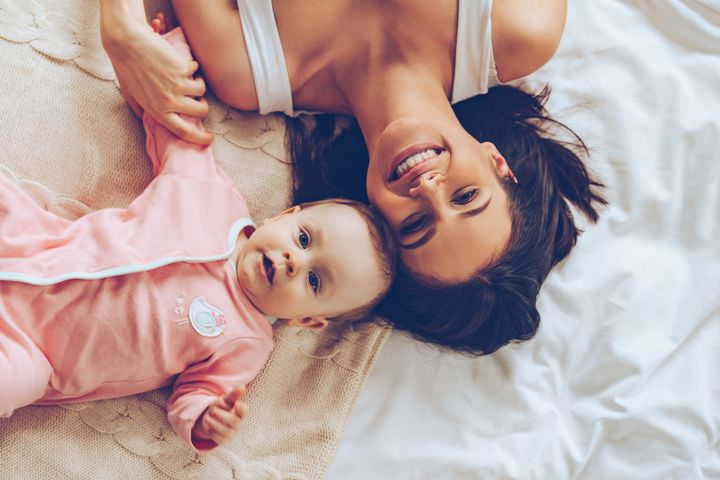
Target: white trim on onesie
(235,229)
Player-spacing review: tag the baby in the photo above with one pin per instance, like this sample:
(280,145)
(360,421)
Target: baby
(173,289)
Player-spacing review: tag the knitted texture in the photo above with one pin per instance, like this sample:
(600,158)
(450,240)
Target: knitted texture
(73,144)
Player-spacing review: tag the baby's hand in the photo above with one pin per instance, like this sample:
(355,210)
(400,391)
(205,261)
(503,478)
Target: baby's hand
(158,23)
(222,418)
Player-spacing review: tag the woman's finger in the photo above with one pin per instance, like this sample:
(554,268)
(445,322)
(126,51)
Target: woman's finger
(156,77)
(196,87)
(184,129)
(192,67)
(194,108)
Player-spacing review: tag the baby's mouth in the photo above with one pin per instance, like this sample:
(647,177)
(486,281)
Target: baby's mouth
(269,268)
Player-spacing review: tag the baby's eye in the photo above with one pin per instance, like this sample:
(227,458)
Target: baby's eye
(304,239)
(314,281)
(465,197)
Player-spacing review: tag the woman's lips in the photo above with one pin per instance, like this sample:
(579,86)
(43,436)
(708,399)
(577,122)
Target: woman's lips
(407,153)
(411,178)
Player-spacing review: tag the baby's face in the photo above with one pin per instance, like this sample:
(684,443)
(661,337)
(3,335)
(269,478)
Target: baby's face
(315,262)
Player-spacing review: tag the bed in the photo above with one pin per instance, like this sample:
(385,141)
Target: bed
(623,378)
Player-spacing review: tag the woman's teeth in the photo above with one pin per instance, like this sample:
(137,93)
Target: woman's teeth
(415,159)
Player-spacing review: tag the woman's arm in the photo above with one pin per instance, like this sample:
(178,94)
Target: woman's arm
(526,34)
(152,75)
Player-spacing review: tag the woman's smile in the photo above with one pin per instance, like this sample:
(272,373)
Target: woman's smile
(411,157)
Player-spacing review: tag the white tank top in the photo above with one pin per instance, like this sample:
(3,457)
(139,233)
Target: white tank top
(474,63)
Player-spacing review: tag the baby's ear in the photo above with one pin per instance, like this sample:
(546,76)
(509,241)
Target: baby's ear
(287,211)
(308,322)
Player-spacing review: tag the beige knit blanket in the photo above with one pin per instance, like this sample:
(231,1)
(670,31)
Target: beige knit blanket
(72,143)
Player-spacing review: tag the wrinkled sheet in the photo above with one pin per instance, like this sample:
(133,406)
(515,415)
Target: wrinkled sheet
(623,378)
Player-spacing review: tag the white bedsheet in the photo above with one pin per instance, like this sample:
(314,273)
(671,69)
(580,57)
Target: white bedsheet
(623,379)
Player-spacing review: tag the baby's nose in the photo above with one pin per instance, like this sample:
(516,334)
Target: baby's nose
(290,263)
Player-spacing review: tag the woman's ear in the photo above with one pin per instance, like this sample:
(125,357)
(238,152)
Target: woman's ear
(287,211)
(501,167)
(308,322)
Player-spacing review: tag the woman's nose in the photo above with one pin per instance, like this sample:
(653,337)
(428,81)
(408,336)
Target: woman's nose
(426,184)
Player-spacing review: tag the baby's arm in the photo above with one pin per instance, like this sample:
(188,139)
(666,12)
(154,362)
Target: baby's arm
(172,155)
(168,152)
(202,388)
(221,421)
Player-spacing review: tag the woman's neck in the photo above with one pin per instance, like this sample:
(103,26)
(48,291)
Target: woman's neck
(385,70)
(373,67)
(381,97)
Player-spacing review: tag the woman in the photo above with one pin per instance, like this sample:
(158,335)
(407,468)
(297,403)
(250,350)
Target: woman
(477,237)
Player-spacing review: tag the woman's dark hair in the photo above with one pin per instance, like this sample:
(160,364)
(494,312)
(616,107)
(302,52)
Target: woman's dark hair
(498,304)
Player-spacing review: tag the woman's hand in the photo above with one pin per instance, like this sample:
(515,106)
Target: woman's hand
(221,421)
(152,75)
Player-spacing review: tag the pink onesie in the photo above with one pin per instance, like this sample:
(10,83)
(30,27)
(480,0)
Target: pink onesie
(123,301)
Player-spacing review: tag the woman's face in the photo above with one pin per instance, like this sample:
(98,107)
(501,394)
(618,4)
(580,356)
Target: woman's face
(440,190)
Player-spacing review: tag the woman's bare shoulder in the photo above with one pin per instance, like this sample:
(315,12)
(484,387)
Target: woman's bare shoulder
(215,34)
(526,34)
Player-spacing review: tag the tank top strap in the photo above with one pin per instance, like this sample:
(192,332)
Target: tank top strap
(262,41)
(474,62)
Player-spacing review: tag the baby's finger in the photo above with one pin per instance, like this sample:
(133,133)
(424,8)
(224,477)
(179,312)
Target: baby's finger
(222,439)
(241,409)
(214,427)
(234,395)
(158,23)
(225,417)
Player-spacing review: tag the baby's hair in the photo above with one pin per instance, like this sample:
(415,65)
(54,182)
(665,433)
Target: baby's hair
(383,241)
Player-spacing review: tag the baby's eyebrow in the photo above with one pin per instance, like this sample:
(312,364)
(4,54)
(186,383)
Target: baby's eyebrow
(327,277)
(316,233)
(327,281)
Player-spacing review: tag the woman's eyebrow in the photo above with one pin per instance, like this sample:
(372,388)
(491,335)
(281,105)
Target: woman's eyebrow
(421,241)
(476,211)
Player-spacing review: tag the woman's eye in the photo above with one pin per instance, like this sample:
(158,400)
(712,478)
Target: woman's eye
(413,224)
(465,197)
(304,239)
(314,281)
